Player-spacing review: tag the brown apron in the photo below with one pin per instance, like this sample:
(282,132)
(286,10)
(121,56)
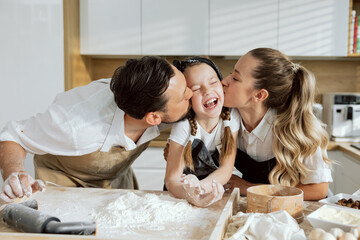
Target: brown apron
(98,169)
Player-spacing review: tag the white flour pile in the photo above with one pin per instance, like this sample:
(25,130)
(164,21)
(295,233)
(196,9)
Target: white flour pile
(157,214)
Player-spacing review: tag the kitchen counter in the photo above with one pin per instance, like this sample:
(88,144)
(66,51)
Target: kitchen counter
(344,147)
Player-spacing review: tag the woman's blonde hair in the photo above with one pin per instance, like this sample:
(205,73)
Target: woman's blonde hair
(227,141)
(297,132)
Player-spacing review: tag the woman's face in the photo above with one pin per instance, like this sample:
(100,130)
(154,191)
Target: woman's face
(208,96)
(239,85)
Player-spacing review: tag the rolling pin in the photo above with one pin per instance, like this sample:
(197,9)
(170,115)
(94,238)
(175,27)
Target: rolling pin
(25,217)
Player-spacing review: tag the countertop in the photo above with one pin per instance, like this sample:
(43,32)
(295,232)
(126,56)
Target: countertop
(344,147)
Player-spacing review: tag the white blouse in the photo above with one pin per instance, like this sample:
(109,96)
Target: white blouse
(258,145)
(79,121)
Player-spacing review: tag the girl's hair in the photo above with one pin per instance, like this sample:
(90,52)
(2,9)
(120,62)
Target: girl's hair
(297,132)
(227,140)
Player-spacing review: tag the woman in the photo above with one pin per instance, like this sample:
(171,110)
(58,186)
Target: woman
(280,139)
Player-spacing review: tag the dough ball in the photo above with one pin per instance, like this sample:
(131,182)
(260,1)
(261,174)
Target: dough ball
(316,233)
(336,232)
(355,232)
(347,236)
(327,236)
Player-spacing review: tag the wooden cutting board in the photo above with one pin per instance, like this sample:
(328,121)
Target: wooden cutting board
(78,204)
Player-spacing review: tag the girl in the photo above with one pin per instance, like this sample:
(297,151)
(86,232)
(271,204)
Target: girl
(202,149)
(280,139)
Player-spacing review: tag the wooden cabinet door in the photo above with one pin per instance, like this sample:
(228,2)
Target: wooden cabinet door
(172,27)
(110,27)
(237,26)
(313,27)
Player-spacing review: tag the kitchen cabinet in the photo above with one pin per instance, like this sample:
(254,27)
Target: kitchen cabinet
(213,27)
(346,177)
(172,27)
(150,168)
(238,26)
(313,27)
(111,27)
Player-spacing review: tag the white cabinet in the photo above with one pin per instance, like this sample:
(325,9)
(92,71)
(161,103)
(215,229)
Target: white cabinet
(32,59)
(313,27)
(172,27)
(150,168)
(111,27)
(346,173)
(237,26)
(213,27)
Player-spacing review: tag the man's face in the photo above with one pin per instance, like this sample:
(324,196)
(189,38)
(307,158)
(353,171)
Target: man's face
(178,95)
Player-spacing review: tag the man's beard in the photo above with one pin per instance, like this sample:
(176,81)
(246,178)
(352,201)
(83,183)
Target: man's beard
(184,116)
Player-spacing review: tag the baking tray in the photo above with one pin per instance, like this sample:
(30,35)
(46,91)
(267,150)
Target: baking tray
(56,200)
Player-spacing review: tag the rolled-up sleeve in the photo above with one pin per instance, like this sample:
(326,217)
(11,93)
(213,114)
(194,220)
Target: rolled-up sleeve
(46,132)
(319,170)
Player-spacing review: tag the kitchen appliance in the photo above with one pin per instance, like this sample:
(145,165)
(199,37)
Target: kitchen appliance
(342,115)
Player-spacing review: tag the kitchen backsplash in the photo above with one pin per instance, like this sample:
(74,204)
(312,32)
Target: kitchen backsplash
(331,75)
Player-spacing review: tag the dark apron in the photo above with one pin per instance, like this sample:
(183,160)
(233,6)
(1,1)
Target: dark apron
(98,169)
(204,162)
(253,171)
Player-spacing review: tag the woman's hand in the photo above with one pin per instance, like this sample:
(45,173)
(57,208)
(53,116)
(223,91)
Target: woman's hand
(237,182)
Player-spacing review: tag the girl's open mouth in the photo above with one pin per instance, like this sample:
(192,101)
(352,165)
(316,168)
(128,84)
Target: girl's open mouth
(211,103)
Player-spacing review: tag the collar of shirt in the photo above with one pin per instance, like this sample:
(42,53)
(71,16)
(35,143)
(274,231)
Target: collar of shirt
(117,137)
(258,143)
(263,127)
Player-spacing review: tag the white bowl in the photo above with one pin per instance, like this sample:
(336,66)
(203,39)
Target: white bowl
(334,199)
(326,225)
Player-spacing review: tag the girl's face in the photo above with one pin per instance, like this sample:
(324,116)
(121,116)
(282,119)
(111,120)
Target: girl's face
(208,96)
(239,85)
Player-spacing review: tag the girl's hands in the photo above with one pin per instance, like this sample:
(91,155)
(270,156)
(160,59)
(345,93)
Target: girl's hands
(197,194)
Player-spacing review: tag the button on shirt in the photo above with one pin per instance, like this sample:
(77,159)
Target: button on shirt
(78,122)
(258,145)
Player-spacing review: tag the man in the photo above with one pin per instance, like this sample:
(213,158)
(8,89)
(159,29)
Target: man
(90,135)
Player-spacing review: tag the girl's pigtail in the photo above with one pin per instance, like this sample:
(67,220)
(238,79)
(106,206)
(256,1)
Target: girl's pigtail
(227,140)
(187,152)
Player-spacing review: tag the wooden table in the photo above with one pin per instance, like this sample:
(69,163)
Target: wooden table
(227,204)
(76,204)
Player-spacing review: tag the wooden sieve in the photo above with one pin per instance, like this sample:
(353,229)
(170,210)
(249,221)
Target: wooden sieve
(272,198)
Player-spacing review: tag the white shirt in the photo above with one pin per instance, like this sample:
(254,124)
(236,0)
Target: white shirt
(78,122)
(180,132)
(258,145)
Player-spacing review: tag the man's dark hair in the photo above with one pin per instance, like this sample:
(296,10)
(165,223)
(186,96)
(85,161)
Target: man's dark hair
(139,86)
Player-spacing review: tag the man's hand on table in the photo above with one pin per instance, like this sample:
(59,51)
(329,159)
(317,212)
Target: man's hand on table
(18,185)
